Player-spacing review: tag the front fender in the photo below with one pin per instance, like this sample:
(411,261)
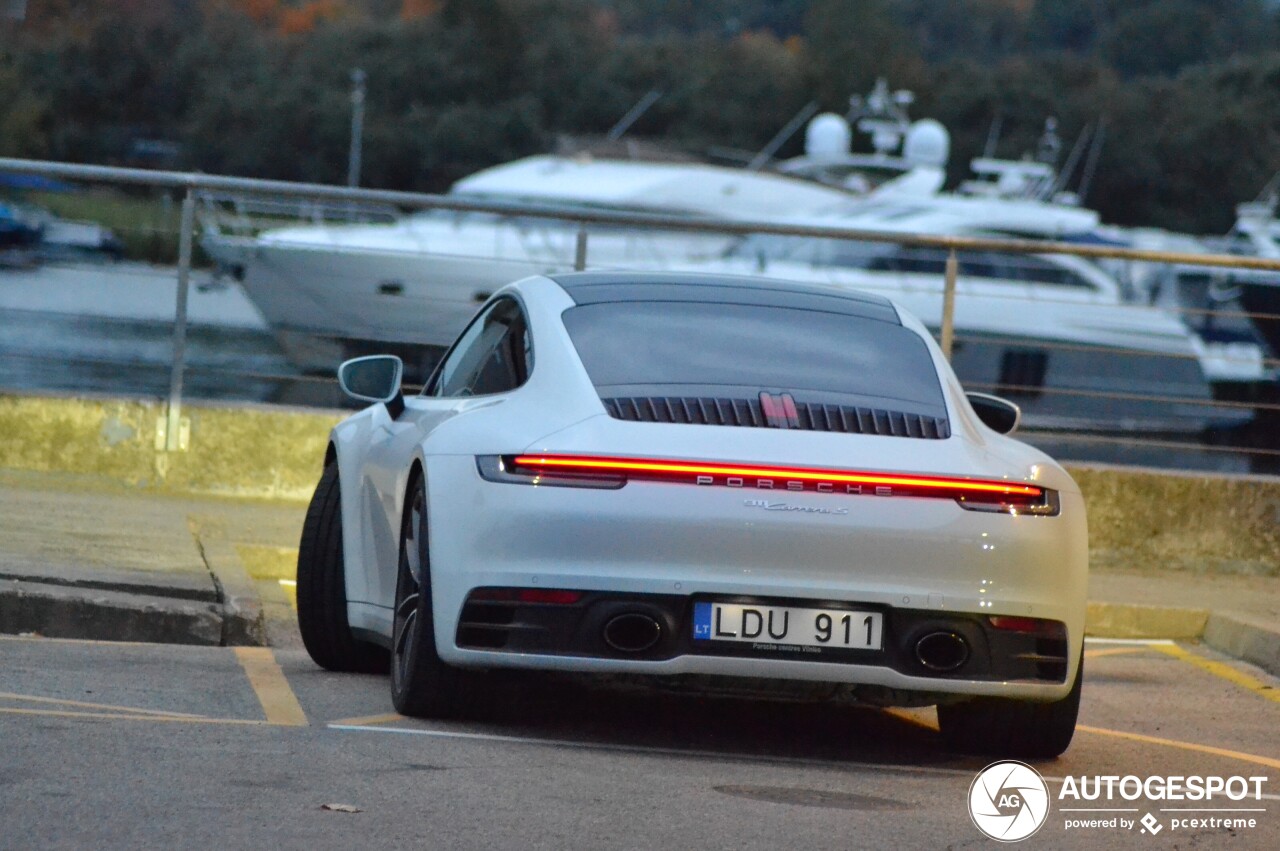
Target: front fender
(350,441)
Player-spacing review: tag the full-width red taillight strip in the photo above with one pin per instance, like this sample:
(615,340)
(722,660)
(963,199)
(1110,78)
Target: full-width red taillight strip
(633,465)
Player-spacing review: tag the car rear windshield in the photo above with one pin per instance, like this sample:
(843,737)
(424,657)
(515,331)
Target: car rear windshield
(669,348)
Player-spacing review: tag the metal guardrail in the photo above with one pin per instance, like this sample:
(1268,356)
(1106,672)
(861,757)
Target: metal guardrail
(191,183)
(196,181)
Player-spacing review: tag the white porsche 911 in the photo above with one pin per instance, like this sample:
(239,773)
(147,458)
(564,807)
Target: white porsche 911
(701,478)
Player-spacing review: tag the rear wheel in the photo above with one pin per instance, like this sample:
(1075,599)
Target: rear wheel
(322,586)
(1012,728)
(421,684)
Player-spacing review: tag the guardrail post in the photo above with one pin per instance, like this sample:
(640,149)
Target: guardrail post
(580,249)
(949,304)
(175,434)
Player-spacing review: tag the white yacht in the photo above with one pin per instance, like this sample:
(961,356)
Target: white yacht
(1053,332)
(1028,198)
(1049,331)
(1257,233)
(326,289)
(907,159)
(1209,300)
(1232,311)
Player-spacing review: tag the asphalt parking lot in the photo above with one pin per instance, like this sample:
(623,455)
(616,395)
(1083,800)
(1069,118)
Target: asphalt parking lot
(133,745)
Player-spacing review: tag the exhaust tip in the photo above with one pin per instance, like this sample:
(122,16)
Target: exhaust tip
(942,652)
(632,632)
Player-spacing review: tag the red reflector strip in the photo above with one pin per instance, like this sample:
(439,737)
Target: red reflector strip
(541,595)
(940,486)
(1034,625)
(550,596)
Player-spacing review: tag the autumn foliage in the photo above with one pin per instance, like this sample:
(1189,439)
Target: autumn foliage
(1189,89)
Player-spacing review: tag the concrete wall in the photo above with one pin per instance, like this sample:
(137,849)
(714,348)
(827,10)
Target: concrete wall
(1149,520)
(234,450)
(1138,519)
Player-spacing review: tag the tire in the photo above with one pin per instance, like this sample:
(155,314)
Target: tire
(322,587)
(1012,728)
(422,685)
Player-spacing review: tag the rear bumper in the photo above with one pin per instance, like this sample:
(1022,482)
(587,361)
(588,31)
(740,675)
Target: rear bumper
(579,630)
(656,548)
(849,674)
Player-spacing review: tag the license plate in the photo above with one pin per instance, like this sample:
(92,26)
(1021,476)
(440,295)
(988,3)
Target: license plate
(835,628)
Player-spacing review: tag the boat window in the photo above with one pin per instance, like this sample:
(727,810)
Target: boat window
(850,254)
(494,354)
(989,265)
(885,257)
(738,350)
(814,251)
(983,264)
(1041,270)
(919,261)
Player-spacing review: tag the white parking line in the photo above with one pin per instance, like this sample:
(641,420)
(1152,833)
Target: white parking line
(1137,642)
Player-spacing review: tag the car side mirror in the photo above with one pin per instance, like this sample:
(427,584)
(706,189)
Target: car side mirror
(374,378)
(998,414)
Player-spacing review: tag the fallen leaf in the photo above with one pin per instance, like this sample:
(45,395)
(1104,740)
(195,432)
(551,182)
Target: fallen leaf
(341,808)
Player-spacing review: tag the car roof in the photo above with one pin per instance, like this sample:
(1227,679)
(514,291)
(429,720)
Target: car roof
(601,287)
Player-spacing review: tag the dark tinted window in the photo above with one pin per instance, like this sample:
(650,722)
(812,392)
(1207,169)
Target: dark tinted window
(989,265)
(818,252)
(493,355)
(700,348)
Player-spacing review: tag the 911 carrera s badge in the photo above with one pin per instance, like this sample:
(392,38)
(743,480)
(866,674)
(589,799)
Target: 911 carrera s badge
(786,506)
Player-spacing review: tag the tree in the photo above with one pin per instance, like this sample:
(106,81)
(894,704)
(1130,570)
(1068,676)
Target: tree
(24,115)
(851,43)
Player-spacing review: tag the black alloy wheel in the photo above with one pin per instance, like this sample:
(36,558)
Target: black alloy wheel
(421,684)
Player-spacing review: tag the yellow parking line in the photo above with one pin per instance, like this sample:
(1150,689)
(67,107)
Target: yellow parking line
(133,710)
(123,716)
(911,717)
(290,589)
(278,700)
(1186,746)
(1112,651)
(1223,670)
(369,720)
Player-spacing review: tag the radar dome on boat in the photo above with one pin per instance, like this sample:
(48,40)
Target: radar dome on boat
(828,136)
(927,143)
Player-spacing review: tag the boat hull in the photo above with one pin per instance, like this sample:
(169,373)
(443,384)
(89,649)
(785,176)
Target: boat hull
(325,305)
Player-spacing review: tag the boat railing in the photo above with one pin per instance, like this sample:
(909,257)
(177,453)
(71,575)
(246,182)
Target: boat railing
(244,206)
(247,215)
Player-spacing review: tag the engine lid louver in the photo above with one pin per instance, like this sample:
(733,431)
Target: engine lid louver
(749,413)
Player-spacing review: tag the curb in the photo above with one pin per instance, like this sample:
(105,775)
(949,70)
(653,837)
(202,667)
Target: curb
(1238,636)
(1245,638)
(114,611)
(228,613)
(243,621)
(60,611)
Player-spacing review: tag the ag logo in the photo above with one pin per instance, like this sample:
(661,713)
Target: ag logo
(1008,801)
